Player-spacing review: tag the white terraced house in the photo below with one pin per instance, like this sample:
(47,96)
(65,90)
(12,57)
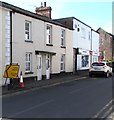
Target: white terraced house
(42,47)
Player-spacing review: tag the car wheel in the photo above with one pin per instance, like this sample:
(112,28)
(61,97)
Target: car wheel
(107,74)
(112,74)
(90,75)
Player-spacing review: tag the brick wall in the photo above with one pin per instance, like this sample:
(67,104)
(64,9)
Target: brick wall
(105,44)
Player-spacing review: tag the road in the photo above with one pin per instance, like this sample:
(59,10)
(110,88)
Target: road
(85,98)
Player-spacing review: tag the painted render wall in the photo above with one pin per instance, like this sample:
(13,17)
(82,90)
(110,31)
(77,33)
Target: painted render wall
(68,51)
(20,47)
(95,46)
(80,39)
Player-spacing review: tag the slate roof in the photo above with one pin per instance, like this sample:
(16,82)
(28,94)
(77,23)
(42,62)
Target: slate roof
(31,14)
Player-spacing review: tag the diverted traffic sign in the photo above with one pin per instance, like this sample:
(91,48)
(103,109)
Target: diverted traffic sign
(11,71)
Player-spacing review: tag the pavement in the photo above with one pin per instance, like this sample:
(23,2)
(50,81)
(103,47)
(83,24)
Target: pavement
(36,84)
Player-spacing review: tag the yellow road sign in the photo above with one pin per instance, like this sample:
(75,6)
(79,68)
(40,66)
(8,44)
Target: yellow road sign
(11,71)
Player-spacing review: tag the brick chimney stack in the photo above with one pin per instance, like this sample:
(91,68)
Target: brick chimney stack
(44,10)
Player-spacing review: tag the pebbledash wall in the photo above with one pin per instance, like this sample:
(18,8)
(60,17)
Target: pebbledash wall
(37,56)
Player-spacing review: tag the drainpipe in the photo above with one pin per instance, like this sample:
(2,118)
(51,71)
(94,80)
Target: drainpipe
(10,85)
(91,48)
(11,37)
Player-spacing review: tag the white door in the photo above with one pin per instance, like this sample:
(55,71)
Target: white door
(39,67)
(48,59)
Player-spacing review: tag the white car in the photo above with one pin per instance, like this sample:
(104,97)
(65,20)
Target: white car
(102,68)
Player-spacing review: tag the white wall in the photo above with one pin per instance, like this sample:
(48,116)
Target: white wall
(68,51)
(82,40)
(20,47)
(78,39)
(95,41)
(95,46)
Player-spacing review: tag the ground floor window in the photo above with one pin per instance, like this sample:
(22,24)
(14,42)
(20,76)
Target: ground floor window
(28,62)
(85,61)
(62,64)
(95,59)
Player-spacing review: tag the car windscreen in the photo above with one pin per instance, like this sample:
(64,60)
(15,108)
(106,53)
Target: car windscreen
(98,64)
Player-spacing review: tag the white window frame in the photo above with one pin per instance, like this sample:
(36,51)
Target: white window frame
(85,61)
(62,38)
(89,35)
(28,31)
(49,35)
(28,64)
(83,32)
(62,63)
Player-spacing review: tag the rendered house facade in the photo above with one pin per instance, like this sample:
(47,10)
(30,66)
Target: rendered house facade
(40,46)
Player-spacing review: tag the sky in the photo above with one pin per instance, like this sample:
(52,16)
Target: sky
(95,13)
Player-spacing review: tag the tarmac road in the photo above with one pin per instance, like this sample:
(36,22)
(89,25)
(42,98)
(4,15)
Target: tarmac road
(85,98)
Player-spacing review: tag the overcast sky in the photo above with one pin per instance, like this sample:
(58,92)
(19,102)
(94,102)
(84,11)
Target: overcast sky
(95,13)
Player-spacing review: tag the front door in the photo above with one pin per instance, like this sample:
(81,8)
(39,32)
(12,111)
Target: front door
(39,67)
(48,65)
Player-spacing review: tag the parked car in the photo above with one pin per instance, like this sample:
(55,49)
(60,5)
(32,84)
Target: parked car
(101,68)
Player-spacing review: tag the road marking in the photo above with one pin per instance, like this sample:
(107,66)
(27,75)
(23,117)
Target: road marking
(107,112)
(31,108)
(103,109)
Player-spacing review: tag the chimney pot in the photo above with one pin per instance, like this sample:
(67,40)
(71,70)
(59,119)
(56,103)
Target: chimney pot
(43,10)
(44,4)
(41,4)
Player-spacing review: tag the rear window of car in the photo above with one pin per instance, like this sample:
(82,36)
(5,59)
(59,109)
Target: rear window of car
(98,64)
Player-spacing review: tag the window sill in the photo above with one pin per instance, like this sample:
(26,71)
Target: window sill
(28,41)
(62,71)
(63,47)
(49,44)
(29,73)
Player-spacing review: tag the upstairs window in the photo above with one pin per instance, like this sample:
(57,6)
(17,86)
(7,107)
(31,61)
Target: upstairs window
(27,31)
(49,35)
(62,38)
(83,32)
(89,36)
